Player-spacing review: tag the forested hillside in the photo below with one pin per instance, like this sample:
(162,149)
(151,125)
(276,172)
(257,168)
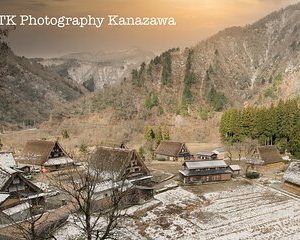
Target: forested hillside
(278,124)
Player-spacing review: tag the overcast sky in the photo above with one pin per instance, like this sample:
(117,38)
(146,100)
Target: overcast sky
(196,20)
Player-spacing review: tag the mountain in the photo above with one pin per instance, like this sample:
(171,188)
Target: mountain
(94,70)
(28,92)
(255,64)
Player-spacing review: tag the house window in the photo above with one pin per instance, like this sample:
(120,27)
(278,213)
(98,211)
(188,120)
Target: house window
(16,181)
(12,189)
(133,163)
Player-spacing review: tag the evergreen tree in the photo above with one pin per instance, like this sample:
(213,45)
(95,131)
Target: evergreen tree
(248,121)
(151,101)
(158,136)
(216,99)
(165,134)
(189,79)
(149,134)
(167,69)
(278,125)
(230,126)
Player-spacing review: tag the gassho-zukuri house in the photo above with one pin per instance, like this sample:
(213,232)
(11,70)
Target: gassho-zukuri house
(205,171)
(292,174)
(122,168)
(266,155)
(46,154)
(17,195)
(173,151)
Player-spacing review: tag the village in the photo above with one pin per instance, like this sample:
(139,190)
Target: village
(48,194)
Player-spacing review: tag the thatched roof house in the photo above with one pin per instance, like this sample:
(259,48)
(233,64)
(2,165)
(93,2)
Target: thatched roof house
(17,192)
(122,167)
(120,162)
(172,150)
(45,153)
(292,174)
(268,155)
(12,181)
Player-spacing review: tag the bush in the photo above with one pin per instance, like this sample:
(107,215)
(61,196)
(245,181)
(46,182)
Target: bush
(65,134)
(205,113)
(252,175)
(83,148)
(151,101)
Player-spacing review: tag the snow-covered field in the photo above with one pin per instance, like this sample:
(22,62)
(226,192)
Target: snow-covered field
(248,212)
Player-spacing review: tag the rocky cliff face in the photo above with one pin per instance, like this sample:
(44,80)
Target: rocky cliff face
(93,71)
(28,92)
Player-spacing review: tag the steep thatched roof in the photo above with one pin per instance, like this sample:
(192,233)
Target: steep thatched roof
(170,149)
(292,174)
(7,176)
(115,160)
(7,159)
(37,152)
(269,154)
(4,177)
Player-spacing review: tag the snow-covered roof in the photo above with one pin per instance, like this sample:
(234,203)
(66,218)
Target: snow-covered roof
(205,153)
(140,178)
(58,161)
(7,159)
(3,197)
(16,209)
(292,174)
(219,150)
(9,170)
(43,194)
(4,177)
(204,164)
(108,185)
(235,167)
(42,185)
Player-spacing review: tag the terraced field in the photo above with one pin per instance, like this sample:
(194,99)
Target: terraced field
(247,212)
(251,212)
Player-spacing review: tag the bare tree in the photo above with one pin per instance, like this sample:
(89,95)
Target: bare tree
(96,197)
(229,148)
(249,146)
(246,149)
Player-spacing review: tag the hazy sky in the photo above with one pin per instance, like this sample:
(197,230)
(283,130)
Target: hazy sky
(196,20)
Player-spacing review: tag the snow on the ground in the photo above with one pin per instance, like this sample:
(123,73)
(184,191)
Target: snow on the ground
(68,231)
(251,212)
(176,196)
(248,212)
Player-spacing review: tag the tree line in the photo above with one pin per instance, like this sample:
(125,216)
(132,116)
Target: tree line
(275,125)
